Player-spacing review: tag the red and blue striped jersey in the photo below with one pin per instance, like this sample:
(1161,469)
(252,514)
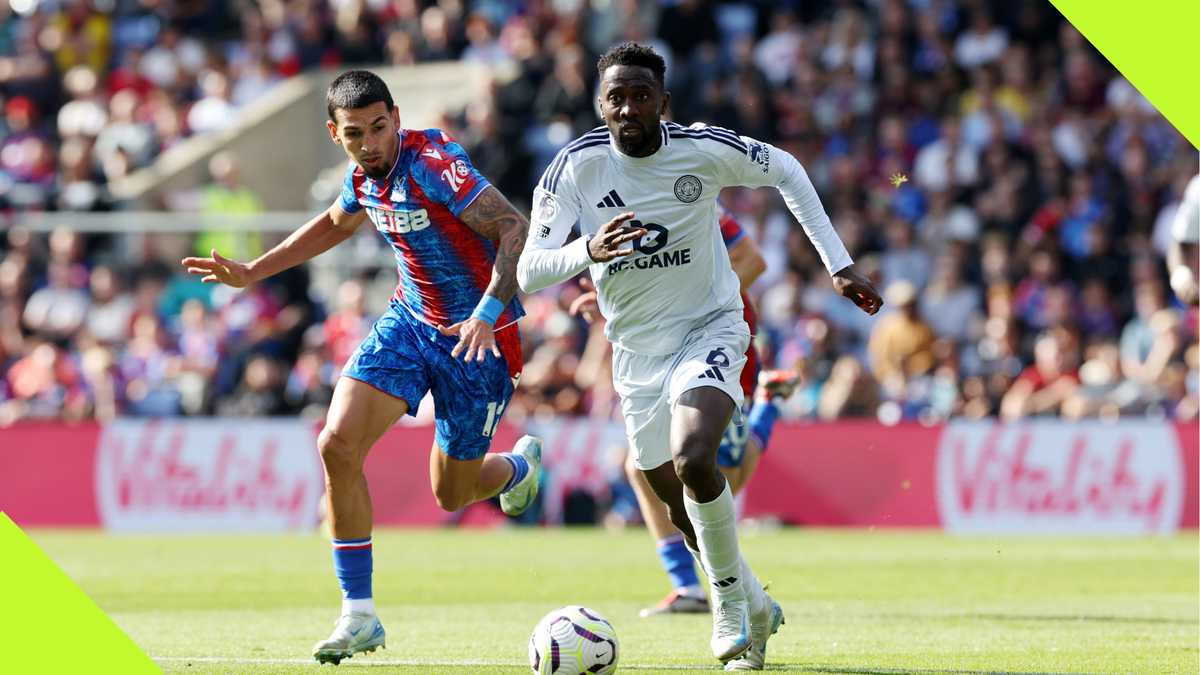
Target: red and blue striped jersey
(444,266)
(731,229)
(732,233)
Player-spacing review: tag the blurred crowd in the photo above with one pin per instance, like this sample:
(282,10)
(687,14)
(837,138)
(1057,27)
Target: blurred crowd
(1010,192)
(93,90)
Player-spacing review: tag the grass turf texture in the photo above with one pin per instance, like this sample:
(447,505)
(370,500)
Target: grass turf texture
(466,601)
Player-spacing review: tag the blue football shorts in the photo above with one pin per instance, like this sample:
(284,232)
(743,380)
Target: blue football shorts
(406,358)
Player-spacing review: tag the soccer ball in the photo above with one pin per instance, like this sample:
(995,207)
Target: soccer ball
(573,640)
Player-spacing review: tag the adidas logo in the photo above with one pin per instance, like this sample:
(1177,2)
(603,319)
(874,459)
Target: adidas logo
(611,201)
(715,374)
(726,582)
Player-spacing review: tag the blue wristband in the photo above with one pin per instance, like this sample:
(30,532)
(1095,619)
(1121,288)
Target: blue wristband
(489,309)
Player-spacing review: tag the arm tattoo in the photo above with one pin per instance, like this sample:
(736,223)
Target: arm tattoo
(493,217)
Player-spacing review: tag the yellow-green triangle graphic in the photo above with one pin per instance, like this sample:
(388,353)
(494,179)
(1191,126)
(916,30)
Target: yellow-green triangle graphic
(1155,46)
(49,624)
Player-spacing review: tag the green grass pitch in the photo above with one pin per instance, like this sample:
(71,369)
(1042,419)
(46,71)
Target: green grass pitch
(465,601)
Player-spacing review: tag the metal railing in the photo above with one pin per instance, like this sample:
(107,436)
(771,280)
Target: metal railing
(139,235)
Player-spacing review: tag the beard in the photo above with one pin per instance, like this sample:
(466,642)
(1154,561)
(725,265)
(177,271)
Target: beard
(376,172)
(638,145)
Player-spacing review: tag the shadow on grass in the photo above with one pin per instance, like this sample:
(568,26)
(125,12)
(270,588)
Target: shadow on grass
(846,670)
(1059,618)
(869,670)
(1086,618)
(1003,616)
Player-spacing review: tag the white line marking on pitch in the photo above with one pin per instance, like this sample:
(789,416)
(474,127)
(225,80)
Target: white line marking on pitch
(370,662)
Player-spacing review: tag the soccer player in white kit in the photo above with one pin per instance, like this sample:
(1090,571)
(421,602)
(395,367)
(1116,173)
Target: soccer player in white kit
(672,303)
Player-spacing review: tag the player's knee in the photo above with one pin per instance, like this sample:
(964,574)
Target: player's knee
(341,456)
(695,464)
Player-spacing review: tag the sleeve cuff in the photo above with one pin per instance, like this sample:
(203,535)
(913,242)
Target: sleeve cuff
(580,256)
(461,205)
(839,265)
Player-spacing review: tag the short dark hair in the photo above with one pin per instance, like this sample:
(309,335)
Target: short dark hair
(631,54)
(357,89)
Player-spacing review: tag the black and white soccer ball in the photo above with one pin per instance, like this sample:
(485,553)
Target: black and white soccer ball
(573,640)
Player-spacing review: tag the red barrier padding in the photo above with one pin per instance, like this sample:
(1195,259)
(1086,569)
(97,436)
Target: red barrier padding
(1134,476)
(48,474)
(849,473)
(1189,445)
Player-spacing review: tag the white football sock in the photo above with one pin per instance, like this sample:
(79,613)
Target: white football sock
(716,533)
(755,593)
(358,606)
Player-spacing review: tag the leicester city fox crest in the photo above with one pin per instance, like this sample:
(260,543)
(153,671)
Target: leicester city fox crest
(688,189)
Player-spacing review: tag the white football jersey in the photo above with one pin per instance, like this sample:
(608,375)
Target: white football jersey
(679,275)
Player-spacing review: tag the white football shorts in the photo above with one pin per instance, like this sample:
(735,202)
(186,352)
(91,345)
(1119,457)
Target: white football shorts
(712,355)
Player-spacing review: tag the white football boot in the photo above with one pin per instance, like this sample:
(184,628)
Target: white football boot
(731,629)
(762,626)
(353,633)
(515,501)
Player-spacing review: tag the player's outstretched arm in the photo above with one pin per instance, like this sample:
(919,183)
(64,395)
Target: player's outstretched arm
(804,203)
(492,216)
(763,164)
(330,228)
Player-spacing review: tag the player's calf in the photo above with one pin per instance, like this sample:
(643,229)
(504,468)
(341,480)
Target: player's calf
(342,457)
(452,496)
(461,481)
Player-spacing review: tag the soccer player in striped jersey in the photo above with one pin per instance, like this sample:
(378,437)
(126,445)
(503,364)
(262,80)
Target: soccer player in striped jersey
(450,329)
(671,303)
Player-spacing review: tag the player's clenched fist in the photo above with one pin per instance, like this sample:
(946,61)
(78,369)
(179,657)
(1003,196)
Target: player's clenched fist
(606,243)
(858,289)
(219,269)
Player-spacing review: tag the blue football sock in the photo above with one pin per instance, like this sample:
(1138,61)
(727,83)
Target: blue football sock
(353,565)
(762,421)
(677,561)
(520,469)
